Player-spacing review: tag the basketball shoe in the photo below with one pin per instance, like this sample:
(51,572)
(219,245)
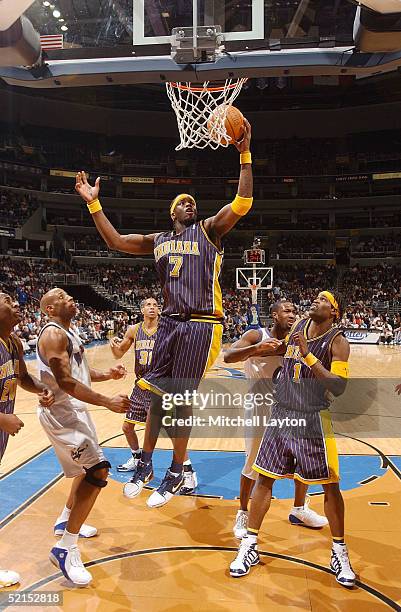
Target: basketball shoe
(130,465)
(86,531)
(142,475)
(241,524)
(68,560)
(247,556)
(170,485)
(305,517)
(340,565)
(8,578)
(190,481)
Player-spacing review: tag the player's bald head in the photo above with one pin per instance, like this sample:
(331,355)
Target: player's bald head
(51,298)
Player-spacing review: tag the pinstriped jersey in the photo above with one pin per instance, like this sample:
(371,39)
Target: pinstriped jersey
(9,371)
(297,388)
(189,267)
(143,347)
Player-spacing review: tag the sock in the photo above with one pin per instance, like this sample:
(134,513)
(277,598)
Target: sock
(136,453)
(187,462)
(338,542)
(68,539)
(298,507)
(176,468)
(252,535)
(146,457)
(64,516)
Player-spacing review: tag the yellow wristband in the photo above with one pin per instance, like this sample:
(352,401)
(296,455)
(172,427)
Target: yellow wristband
(245,158)
(94,206)
(310,359)
(340,368)
(240,206)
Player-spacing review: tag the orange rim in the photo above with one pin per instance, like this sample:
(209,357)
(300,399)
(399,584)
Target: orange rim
(198,89)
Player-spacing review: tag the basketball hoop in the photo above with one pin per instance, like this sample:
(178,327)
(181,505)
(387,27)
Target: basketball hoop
(194,106)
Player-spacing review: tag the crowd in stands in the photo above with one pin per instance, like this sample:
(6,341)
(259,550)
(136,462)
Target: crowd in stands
(372,285)
(376,246)
(302,247)
(16,207)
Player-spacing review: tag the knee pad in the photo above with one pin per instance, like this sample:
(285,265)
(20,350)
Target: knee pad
(92,479)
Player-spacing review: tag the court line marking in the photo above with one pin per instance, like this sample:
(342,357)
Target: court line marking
(371,590)
(25,462)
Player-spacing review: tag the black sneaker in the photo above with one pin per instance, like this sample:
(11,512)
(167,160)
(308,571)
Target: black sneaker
(170,485)
(142,475)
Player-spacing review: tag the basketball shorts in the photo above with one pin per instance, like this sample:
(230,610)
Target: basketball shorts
(183,352)
(307,453)
(73,436)
(140,404)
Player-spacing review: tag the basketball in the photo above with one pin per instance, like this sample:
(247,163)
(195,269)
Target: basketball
(234,123)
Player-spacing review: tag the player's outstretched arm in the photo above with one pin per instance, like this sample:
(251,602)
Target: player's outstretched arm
(120,347)
(334,380)
(54,345)
(229,215)
(30,383)
(250,345)
(114,373)
(136,244)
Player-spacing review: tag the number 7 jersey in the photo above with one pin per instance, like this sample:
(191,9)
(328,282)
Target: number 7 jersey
(189,266)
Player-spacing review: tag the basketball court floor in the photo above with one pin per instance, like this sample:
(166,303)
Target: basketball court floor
(176,557)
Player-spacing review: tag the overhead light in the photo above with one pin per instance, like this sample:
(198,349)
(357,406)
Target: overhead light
(165,14)
(56,14)
(61,20)
(64,28)
(46,3)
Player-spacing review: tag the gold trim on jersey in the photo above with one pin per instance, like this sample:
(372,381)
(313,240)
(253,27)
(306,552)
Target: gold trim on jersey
(142,383)
(217,295)
(306,329)
(8,346)
(214,348)
(134,422)
(220,252)
(146,332)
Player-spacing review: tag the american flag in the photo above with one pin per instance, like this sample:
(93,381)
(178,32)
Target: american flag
(52,41)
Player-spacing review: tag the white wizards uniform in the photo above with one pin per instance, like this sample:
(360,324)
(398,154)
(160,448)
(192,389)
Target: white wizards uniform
(261,371)
(67,422)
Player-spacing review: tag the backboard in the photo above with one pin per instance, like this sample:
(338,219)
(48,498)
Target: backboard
(127,42)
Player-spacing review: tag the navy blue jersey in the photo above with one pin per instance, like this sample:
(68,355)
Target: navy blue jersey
(297,388)
(143,347)
(189,267)
(9,371)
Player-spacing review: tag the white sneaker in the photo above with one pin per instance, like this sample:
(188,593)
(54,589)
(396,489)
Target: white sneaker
(241,524)
(86,531)
(142,475)
(68,560)
(340,565)
(190,481)
(130,465)
(169,486)
(247,557)
(8,578)
(306,517)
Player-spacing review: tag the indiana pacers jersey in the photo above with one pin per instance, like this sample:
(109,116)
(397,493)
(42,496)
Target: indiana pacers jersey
(143,347)
(189,267)
(9,371)
(297,388)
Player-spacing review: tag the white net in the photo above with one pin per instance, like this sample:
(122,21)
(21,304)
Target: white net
(195,107)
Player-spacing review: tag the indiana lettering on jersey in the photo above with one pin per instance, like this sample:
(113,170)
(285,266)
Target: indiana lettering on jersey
(9,369)
(144,345)
(183,247)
